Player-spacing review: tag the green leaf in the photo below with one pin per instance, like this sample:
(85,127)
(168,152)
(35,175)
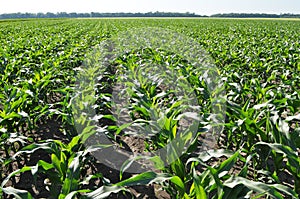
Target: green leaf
(41,163)
(104,192)
(226,165)
(57,164)
(179,184)
(144,179)
(73,193)
(22,170)
(260,188)
(207,155)
(293,158)
(71,181)
(33,147)
(17,193)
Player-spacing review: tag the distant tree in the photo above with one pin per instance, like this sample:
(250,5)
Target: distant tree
(50,15)
(255,15)
(148,14)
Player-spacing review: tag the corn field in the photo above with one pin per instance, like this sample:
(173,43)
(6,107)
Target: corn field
(186,108)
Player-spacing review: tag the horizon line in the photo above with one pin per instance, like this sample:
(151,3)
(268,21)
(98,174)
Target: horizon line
(192,13)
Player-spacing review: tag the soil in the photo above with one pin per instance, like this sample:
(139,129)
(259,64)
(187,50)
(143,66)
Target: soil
(52,130)
(130,145)
(108,165)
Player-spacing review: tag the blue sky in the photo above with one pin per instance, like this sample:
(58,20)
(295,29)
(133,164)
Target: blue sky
(205,7)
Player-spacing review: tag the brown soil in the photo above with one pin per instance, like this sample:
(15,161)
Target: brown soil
(52,130)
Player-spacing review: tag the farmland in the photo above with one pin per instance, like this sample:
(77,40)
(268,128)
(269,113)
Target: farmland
(60,117)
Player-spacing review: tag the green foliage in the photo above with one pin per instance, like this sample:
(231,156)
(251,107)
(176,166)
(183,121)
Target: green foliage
(257,61)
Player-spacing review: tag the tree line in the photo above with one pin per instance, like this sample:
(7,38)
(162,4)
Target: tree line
(148,14)
(96,14)
(255,15)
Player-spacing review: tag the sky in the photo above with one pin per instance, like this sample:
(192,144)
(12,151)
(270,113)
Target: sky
(203,7)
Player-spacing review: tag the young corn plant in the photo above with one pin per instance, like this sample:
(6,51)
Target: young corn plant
(64,171)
